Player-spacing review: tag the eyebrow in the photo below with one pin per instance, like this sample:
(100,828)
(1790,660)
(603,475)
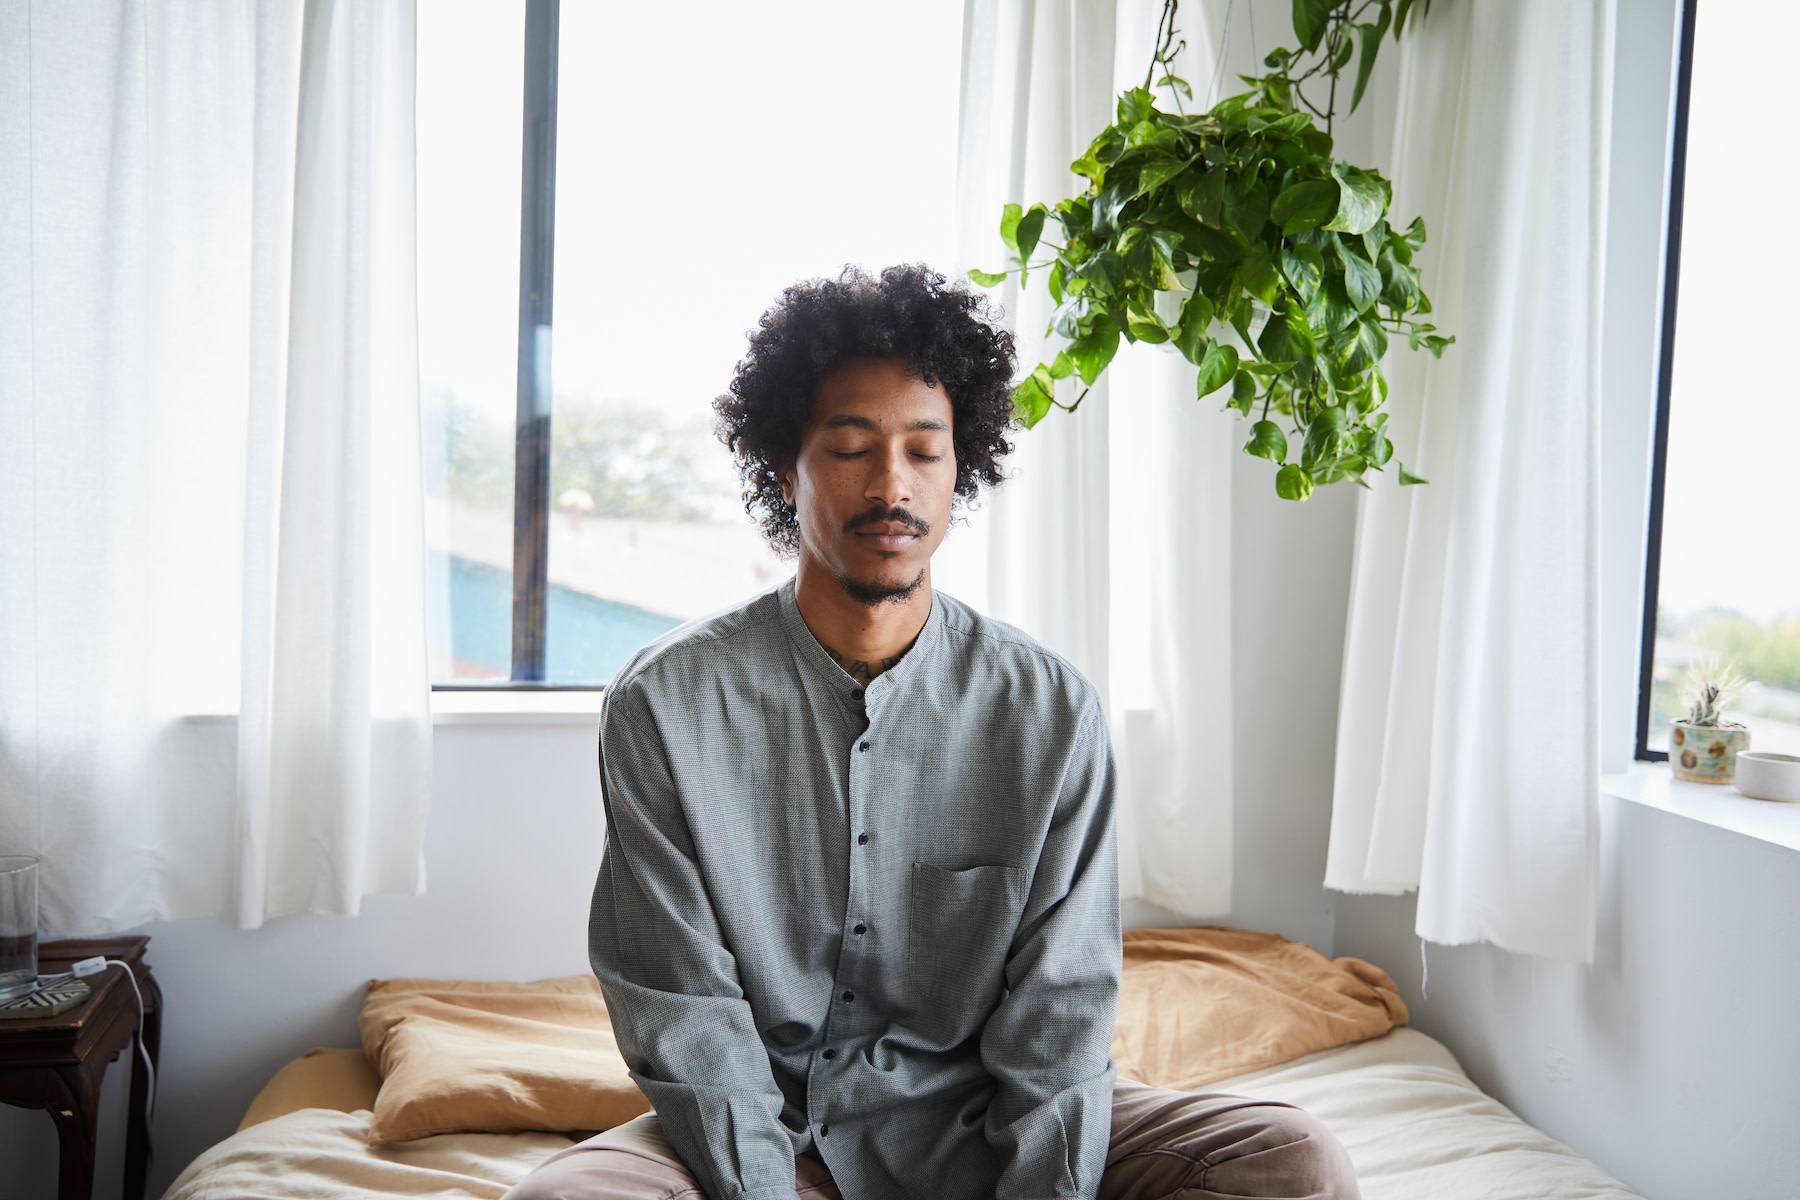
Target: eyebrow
(855,422)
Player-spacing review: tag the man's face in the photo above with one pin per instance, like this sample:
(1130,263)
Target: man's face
(874,479)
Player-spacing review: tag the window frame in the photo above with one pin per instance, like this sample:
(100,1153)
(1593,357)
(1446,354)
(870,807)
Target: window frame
(533,408)
(1684,70)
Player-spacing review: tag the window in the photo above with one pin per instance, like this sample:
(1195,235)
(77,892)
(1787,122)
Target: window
(1724,576)
(686,162)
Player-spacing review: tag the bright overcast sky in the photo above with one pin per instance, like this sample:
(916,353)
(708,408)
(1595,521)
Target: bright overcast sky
(1728,534)
(708,154)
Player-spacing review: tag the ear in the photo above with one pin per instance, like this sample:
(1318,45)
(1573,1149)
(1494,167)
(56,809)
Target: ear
(786,479)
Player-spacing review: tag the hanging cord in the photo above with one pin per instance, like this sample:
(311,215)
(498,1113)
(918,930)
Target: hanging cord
(95,965)
(1212,89)
(1424,973)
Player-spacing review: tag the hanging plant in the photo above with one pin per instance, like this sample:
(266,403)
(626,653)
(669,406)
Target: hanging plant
(1235,235)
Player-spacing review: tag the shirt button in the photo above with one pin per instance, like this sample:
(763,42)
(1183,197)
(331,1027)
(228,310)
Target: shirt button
(824,1131)
(863,746)
(849,996)
(862,839)
(828,1055)
(857,694)
(860,929)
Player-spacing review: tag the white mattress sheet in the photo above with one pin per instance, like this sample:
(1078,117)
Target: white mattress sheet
(1417,1128)
(1414,1124)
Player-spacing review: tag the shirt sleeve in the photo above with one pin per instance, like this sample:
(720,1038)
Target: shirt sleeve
(1049,1043)
(680,1016)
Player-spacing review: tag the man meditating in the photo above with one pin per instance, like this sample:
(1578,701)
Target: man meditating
(857,919)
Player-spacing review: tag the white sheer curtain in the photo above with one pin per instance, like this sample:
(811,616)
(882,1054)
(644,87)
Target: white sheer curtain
(1110,539)
(209,459)
(1467,753)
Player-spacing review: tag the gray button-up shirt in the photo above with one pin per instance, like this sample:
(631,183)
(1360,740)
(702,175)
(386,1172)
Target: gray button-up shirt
(880,923)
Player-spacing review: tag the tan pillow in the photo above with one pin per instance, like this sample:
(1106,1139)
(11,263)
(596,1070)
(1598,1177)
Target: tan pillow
(328,1077)
(1198,1005)
(495,1057)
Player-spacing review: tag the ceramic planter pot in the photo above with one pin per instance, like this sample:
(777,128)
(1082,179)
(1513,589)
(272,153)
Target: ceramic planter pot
(1706,753)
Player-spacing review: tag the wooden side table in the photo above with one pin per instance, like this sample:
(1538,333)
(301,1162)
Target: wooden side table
(57,1062)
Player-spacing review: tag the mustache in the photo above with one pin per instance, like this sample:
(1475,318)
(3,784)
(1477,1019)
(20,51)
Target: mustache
(878,514)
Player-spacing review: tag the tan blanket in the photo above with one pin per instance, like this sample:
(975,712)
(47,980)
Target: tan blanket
(1196,1005)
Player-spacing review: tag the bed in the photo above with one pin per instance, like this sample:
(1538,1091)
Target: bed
(461,1087)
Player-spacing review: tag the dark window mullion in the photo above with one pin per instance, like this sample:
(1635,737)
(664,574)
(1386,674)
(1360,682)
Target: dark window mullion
(1653,560)
(1664,382)
(537,243)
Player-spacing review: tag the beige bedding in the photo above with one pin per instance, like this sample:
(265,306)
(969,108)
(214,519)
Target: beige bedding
(1415,1126)
(1200,1009)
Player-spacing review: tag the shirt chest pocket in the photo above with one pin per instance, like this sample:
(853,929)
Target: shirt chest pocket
(961,926)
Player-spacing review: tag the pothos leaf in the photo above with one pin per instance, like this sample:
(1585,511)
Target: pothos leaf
(1217,367)
(1293,483)
(1031,400)
(1305,205)
(1092,351)
(1363,200)
(1145,328)
(1311,19)
(1009,225)
(1407,478)
(1368,39)
(1029,229)
(1135,106)
(1267,441)
(1257,275)
(1158,172)
(1304,267)
(1243,391)
(987,279)
(1362,282)
(1414,237)
(1329,309)
(1190,331)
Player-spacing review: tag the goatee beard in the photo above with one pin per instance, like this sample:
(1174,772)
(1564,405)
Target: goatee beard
(871,594)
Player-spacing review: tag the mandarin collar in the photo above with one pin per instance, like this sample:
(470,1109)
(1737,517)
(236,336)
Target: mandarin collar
(835,677)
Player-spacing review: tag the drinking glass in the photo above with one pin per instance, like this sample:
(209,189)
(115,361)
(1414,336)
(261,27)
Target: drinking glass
(18,925)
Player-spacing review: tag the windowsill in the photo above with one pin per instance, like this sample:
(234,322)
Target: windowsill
(522,706)
(1654,786)
(500,706)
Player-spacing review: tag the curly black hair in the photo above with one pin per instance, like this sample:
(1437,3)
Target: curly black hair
(945,331)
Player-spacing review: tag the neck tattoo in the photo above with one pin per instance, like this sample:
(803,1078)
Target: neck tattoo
(861,670)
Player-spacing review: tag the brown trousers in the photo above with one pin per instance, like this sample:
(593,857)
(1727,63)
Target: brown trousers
(1164,1144)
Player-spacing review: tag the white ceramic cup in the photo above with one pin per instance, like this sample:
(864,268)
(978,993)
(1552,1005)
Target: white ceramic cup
(1768,776)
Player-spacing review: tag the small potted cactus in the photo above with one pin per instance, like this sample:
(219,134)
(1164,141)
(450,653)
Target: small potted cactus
(1703,746)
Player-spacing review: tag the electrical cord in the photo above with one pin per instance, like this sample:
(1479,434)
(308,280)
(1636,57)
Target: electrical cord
(97,964)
